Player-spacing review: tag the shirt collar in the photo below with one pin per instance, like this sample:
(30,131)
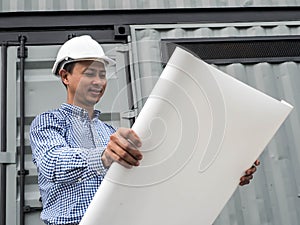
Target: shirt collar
(78,111)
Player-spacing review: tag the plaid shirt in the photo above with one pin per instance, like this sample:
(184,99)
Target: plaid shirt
(66,148)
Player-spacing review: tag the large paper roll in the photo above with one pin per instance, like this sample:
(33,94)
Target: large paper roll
(201,129)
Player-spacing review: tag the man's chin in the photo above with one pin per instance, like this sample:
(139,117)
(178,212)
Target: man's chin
(94,101)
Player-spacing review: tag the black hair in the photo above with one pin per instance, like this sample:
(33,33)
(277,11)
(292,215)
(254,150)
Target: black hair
(67,67)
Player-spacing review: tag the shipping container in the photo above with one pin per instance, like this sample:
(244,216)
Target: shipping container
(253,41)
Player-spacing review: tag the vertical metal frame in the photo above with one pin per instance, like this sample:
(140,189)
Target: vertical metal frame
(3,132)
(22,54)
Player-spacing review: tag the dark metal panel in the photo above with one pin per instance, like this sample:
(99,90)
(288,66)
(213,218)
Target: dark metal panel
(54,20)
(53,37)
(271,49)
(111,26)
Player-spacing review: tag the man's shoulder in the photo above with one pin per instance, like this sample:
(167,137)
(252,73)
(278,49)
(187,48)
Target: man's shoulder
(50,116)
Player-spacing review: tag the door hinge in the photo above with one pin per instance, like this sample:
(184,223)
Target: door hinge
(130,114)
(28,209)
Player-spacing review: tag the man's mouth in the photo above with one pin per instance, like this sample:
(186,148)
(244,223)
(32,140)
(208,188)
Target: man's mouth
(96,91)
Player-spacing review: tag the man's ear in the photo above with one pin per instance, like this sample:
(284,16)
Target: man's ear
(64,76)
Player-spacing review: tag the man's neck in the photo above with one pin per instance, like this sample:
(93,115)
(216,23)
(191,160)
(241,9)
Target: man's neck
(89,109)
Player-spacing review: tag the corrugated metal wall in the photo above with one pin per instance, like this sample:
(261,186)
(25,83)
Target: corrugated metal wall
(54,5)
(273,197)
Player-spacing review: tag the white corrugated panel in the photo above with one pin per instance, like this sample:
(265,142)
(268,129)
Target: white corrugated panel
(54,5)
(273,197)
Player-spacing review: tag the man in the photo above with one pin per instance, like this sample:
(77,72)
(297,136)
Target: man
(71,147)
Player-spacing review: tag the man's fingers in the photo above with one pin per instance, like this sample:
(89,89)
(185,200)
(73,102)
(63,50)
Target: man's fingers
(123,146)
(249,174)
(257,163)
(129,141)
(113,157)
(120,155)
(245,179)
(131,136)
(244,182)
(251,170)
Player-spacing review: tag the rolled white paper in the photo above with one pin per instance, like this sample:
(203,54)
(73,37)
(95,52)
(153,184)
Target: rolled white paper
(201,129)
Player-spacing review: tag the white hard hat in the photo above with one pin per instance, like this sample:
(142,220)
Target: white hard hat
(79,49)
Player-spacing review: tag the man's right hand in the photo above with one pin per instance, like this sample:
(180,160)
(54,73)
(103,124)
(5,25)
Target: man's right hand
(123,149)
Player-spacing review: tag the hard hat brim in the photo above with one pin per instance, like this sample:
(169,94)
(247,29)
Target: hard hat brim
(104,59)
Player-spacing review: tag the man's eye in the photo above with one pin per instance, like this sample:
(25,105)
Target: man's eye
(102,75)
(89,74)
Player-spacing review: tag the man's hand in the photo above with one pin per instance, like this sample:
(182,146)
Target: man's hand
(123,148)
(249,174)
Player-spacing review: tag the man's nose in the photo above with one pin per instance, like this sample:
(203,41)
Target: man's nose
(99,80)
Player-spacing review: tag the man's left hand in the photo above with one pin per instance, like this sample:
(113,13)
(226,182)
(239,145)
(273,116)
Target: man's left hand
(249,174)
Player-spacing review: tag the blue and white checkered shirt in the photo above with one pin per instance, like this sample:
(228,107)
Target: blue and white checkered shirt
(66,148)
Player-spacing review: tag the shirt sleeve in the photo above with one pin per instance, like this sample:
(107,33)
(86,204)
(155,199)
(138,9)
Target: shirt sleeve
(55,159)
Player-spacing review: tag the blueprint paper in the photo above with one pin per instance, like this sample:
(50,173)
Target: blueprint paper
(201,129)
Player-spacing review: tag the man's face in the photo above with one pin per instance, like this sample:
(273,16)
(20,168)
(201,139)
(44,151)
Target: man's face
(86,84)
